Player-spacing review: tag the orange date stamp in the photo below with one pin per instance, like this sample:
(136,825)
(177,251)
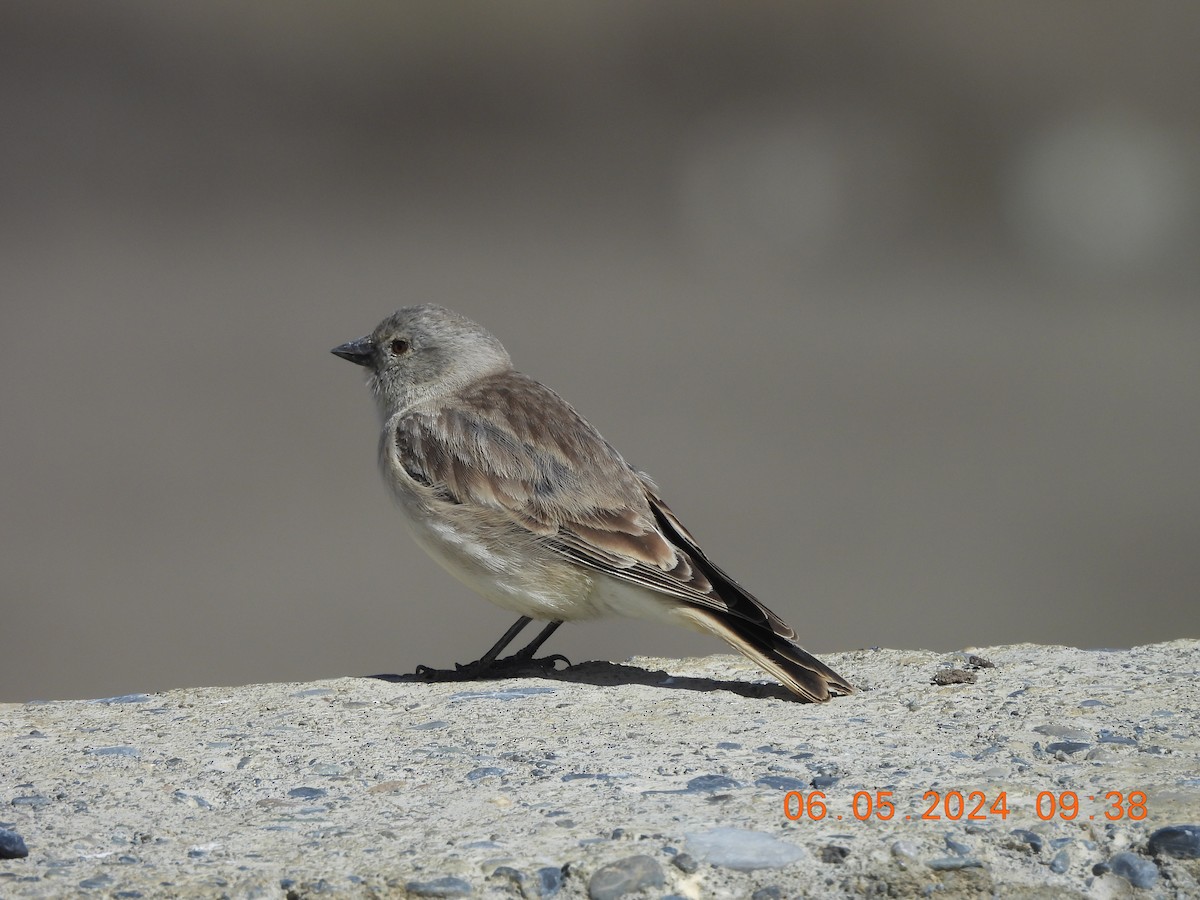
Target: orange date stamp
(969,806)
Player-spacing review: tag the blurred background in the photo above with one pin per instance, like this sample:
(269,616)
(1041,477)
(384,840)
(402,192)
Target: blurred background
(897,302)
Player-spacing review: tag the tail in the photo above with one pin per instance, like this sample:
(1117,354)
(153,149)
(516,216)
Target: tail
(799,671)
(743,621)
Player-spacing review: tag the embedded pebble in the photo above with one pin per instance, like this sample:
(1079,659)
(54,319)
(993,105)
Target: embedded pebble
(446,886)
(515,693)
(685,863)
(484,772)
(1061,862)
(113,751)
(742,849)
(1032,838)
(834,854)
(1179,841)
(950,676)
(625,876)
(782,783)
(34,801)
(1067,747)
(549,881)
(950,863)
(1066,732)
(956,847)
(12,845)
(906,849)
(712,783)
(307,793)
(770,892)
(1137,870)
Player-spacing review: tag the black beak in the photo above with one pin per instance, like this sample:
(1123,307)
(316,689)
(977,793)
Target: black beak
(360,352)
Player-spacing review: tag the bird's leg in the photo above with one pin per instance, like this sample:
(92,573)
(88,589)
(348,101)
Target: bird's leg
(532,647)
(520,661)
(470,670)
(485,662)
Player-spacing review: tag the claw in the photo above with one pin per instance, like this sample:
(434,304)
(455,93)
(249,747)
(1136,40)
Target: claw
(511,667)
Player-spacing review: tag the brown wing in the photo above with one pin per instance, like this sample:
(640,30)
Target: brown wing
(511,444)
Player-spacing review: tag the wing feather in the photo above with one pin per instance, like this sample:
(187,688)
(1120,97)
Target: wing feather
(515,446)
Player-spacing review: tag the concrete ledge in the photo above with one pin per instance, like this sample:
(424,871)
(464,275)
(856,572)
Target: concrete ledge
(615,781)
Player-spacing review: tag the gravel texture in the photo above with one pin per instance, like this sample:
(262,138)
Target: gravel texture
(622,781)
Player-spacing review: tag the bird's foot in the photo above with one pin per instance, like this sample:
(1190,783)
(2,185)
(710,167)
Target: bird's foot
(515,666)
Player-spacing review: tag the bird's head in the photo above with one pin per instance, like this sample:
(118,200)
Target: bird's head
(421,352)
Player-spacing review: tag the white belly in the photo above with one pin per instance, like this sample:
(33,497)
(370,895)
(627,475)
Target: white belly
(512,571)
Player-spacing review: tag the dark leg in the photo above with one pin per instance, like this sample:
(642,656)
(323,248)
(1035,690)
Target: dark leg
(532,647)
(520,662)
(488,658)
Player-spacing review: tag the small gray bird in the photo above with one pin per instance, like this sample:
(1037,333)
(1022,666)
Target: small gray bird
(518,497)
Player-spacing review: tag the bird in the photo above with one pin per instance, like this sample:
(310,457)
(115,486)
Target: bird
(517,496)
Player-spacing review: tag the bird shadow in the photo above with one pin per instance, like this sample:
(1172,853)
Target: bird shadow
(600,673)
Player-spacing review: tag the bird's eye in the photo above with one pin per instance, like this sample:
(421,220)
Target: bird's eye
(399,346)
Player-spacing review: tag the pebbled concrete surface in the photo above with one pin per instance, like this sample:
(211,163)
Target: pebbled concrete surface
(610,781)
